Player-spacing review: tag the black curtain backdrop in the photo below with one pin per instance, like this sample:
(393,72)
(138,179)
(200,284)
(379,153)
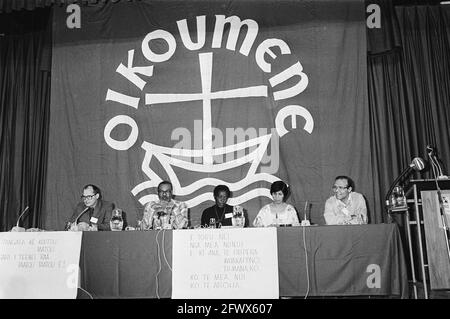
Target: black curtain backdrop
(24,115)
(425,35)
(409,93)
(408,86)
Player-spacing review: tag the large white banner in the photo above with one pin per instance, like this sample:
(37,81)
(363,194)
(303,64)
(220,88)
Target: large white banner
(225,264)
(39,265)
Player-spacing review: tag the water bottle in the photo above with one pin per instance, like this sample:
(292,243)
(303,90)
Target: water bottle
(116,222)
(399,194)
(165,221)
(157,222)
(238,216)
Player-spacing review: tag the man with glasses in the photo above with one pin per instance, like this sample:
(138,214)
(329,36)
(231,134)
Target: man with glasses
(345,207)
(165,213)
(93,212)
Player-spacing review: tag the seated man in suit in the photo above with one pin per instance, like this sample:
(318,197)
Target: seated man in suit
(92,213)
(346,207)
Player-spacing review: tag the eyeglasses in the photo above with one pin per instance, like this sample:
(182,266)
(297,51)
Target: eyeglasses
(83,197)
(341,188)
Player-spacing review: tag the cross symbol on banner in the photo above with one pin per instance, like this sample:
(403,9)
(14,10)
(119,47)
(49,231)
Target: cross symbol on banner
(206,96)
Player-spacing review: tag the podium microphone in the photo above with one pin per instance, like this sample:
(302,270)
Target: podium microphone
(417,164)
(437,169)
(20,216)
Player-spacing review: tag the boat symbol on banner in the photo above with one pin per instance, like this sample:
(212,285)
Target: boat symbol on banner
(202,160)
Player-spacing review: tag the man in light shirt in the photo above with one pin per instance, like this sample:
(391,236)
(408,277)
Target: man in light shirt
(165,212)
(345,207)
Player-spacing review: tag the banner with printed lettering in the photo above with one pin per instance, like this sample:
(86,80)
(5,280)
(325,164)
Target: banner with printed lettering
(225,264)
(39,265)
(202,93)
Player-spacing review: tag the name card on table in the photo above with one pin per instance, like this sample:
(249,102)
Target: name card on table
(231,263)
(39,265)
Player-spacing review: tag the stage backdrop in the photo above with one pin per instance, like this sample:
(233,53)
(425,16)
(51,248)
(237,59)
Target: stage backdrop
(203,93)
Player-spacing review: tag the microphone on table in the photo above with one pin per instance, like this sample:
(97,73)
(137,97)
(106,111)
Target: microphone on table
(68,225)
(17,228)
(80,214)
(20,216)
(305,221)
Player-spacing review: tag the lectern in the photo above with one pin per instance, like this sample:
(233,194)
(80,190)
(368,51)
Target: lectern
(423,201)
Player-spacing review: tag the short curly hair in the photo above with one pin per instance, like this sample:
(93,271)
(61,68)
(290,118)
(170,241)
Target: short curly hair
(279,186)
(221,188)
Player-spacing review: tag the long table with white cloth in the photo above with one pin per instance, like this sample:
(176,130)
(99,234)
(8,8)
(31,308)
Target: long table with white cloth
(353,260)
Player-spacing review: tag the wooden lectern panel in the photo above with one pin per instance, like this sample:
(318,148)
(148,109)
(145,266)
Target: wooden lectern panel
(438,255)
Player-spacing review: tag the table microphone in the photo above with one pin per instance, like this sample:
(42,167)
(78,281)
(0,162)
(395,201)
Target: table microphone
(79,215)
(20,216)
(305,221)
(69,224)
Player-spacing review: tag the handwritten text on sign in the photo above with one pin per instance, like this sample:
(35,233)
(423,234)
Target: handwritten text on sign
(39,264)
(225,263)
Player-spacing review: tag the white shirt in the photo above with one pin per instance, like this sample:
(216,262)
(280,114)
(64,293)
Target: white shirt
(266,217)
(339,213)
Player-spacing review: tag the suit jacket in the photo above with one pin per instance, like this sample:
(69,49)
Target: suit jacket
(102,211)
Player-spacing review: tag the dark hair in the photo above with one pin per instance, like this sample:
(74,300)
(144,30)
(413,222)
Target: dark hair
(165,183)
(94,188)
(221,188)
(350,182)
(279,186)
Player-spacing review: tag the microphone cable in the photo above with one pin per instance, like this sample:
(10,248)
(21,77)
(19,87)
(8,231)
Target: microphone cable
(159,264)
(306,260)
(434,166)
(90,296)
(164,251)
(306,254)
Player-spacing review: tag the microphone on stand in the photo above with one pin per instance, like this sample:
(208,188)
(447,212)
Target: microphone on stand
(417,164)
